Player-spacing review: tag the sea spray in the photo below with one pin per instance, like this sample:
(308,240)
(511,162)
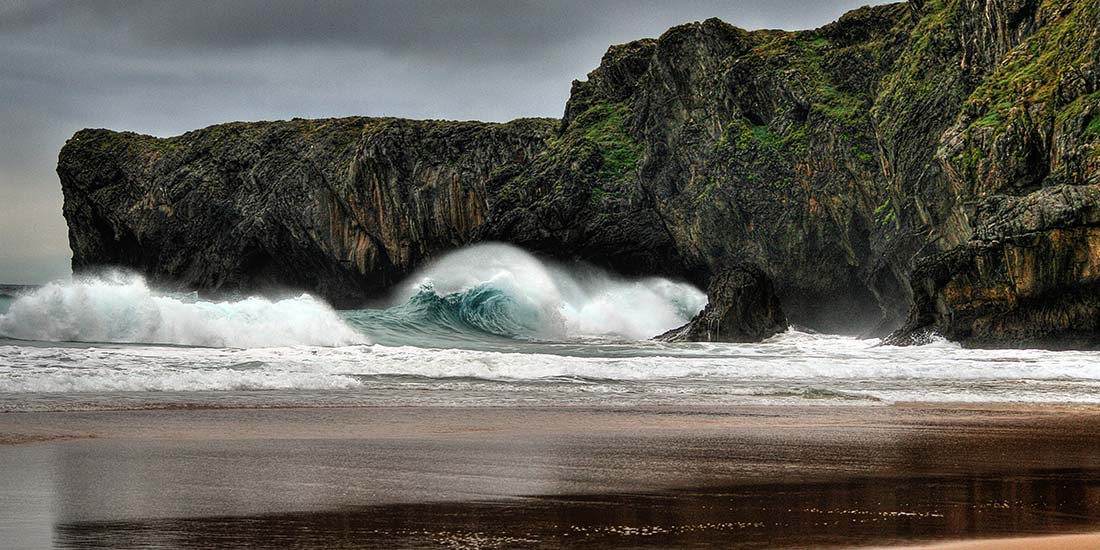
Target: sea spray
(502,290)
(122,308)
(467,298)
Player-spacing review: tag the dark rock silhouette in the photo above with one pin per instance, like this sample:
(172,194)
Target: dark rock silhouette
(742,307)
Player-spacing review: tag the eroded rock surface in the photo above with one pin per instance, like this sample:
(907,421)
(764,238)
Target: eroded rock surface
(341,207)
(939,154)
(1030,277)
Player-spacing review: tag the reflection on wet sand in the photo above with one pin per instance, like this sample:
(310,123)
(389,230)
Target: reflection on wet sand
(752,477)
(859,511)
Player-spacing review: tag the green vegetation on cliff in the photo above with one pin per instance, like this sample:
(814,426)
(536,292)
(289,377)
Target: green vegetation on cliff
(595,150)
(1049,77)
(603,127)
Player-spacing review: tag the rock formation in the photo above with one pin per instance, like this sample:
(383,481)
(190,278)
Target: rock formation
(940,154)
(341,207)
(1009,252)
(743,307)
(1030,276)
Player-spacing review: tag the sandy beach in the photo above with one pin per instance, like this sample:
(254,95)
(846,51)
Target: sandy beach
(1064,542)
(422,477)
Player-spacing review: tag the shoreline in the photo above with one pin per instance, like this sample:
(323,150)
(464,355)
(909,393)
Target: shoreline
(1077,541)
(547,477)
(1011,407)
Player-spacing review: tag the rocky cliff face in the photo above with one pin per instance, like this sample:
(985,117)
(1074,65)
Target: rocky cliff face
(712,146)
(342,207)
(956,137)
(1009,253)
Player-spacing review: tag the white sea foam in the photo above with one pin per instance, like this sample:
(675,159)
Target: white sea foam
(300,351)
(794,366)
(123,309)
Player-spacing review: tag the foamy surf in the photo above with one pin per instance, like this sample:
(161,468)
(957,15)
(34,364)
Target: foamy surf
(121,308)
(467,296)
(488,325)
(793,367)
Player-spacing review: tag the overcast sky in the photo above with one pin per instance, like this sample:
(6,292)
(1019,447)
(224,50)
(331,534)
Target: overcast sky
(165,67)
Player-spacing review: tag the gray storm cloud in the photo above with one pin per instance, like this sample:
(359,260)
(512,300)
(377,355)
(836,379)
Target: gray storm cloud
(162,68)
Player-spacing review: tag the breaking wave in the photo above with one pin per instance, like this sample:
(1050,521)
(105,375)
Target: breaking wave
(498,290)
(119,308)
(472,297)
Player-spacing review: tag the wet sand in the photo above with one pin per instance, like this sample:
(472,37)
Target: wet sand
(422,477)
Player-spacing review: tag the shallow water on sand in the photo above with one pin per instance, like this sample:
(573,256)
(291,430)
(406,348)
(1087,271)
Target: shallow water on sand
(765,516)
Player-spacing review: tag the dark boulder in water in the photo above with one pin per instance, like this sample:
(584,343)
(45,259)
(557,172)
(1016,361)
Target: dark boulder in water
(742,307)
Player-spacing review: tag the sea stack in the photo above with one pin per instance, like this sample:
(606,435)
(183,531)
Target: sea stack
(742,307)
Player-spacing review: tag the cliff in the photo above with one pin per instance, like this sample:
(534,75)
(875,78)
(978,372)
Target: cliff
(937,154)
(713,146)
(1010,253)
(341,207)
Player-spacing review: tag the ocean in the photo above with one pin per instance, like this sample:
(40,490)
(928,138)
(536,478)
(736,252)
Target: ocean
(487,325)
